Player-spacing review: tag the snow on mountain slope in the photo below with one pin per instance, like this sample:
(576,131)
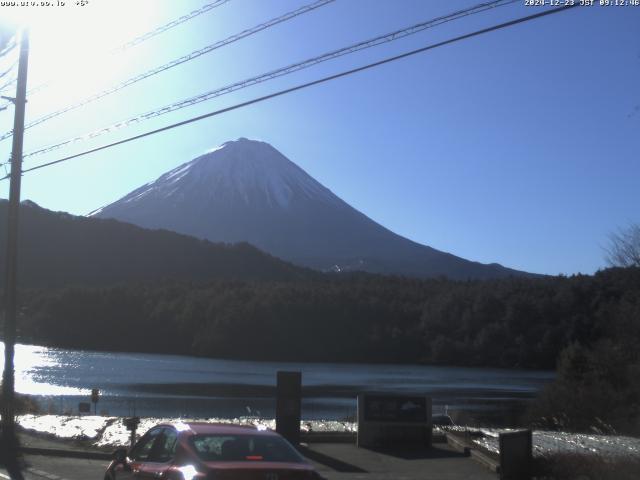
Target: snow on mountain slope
(246,190)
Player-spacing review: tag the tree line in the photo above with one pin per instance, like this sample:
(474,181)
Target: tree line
(588,326)
(514,322)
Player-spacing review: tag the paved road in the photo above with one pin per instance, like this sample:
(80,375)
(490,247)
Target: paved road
(334,461)
(345,461)
(58,468)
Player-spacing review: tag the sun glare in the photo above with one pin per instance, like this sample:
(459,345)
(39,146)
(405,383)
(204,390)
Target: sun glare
(71,46)
(28,360)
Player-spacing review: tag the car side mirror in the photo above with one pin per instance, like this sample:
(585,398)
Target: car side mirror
(120,455)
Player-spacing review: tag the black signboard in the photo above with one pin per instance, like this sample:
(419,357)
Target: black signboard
(379,408)
(515,455)
(289,405)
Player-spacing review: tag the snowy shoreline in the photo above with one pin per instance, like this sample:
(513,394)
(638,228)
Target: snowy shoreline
(102,432)
(106,432)
(547,443)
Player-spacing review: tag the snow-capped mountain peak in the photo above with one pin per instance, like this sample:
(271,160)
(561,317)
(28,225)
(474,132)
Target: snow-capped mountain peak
(249,170)
(246,190)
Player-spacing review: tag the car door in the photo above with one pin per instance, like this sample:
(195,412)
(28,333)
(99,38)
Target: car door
(139,454)
(161,455)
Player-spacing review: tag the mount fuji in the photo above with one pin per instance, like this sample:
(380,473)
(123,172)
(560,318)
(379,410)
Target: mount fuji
(247,191)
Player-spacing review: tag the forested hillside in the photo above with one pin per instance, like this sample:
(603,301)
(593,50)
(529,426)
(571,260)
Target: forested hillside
(364,318)
(58,249)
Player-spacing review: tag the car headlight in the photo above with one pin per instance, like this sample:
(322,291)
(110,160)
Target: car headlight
(189,472)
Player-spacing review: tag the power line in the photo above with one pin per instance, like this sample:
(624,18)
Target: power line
(7,84)
(9,69)
(308,84)
(389,37)
(142,38)
(191,56)
(170,25)
(8,47)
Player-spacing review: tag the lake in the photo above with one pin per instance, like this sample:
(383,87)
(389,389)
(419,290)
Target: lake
(172,385)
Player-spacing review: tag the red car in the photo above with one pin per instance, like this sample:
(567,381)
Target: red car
(206,451)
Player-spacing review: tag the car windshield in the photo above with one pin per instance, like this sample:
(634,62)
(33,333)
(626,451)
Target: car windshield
(250,448)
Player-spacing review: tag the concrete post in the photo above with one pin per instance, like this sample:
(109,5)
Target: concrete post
(289,405)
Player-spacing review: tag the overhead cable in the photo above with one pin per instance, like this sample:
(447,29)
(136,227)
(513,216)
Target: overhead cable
(142,38)
(8,70)
(306,85)
(389,37)
(178,61)
(11,44)
(7,84)
(170,25)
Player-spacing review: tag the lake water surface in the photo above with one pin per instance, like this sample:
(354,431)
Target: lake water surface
(171,385)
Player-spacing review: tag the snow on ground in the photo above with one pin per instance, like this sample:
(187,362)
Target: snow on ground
(546,443)
(61,426)
(110,431)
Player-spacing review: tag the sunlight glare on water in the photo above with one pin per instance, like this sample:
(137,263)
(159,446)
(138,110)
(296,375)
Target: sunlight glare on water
(171,385)
(28,359)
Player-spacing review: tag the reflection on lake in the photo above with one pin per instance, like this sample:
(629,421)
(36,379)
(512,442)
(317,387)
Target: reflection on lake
(171,385)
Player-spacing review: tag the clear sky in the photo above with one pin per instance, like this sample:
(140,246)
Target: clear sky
(519,147)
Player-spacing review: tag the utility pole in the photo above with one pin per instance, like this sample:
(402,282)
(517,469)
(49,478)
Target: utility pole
(9,439)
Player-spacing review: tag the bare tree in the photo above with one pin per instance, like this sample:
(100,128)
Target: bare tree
(624,247)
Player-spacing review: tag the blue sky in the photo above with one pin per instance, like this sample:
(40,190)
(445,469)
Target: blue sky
(518,147)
